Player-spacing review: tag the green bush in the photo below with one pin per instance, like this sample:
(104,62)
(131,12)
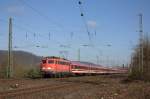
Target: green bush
(34,73)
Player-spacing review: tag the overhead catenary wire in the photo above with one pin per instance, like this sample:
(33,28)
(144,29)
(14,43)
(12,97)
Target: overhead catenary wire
(84,19)
(27,34)
(44,16)
(27,31)
(19,27)
(34,34)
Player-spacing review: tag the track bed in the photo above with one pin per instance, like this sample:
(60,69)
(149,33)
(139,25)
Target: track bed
(84,87)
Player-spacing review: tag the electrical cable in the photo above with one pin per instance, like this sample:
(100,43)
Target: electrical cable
(84,19)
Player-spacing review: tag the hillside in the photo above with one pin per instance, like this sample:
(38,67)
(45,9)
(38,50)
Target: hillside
(24,59)
(21,60)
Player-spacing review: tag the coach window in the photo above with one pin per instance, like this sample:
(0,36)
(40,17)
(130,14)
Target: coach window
(77,67)
(51,62)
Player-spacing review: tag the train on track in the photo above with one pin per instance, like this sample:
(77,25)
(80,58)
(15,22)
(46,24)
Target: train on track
(56,65)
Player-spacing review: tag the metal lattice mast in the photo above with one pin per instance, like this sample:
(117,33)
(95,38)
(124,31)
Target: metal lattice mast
(141,42)
(97,59)
(10,57)
(79,54)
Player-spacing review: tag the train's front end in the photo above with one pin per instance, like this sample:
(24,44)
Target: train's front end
(48,66)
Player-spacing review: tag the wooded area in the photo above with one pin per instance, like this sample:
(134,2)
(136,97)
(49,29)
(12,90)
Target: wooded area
(140,61)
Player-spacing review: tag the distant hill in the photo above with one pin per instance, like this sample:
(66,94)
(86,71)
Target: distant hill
(21,58)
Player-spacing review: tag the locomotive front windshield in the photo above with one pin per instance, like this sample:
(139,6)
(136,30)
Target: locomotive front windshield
(51,62)
(44,61)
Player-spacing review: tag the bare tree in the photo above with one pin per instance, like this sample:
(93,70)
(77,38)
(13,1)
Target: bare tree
(138,71)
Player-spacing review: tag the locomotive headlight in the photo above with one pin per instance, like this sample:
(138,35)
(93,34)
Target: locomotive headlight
(48,68)
(43,68)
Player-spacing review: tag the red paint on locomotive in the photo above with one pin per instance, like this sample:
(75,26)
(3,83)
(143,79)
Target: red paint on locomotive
(55,65)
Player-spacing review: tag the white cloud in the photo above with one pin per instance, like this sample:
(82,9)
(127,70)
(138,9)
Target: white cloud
(92,23)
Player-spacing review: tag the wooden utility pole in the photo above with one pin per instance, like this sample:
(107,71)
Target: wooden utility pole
(10,57)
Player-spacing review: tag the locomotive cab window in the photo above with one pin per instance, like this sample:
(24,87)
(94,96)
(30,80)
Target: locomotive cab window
(51,62)
(43,61)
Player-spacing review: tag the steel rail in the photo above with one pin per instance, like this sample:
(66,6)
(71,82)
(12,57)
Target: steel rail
(18,92)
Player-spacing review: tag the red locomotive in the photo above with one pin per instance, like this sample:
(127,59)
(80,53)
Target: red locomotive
(55,65)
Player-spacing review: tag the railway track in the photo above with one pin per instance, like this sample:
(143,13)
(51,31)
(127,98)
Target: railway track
(26,91)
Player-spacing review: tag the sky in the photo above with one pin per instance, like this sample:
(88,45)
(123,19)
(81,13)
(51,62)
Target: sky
(56,28)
